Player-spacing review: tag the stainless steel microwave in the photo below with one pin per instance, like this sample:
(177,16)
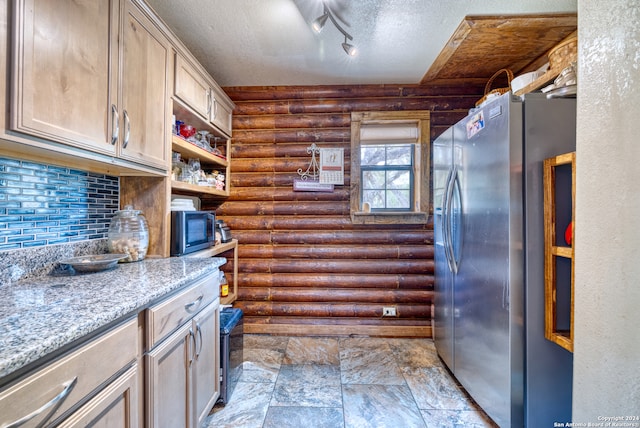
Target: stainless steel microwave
(192,231)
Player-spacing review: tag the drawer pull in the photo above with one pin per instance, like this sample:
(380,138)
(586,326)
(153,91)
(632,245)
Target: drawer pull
(55,402)
(190,306)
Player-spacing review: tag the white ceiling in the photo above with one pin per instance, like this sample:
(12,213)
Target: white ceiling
(270,42)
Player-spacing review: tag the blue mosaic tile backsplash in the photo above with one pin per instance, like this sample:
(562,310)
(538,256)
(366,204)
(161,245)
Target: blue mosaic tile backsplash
(45,205)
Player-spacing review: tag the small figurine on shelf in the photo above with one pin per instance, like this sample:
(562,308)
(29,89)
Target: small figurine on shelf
(216,179)
(220,182)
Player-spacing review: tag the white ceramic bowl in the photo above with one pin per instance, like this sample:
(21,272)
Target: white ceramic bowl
(524,79)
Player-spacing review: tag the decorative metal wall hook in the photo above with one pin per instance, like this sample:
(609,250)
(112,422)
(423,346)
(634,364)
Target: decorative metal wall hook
(313,169)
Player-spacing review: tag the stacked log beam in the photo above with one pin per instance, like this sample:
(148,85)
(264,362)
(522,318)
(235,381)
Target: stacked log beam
(304,268)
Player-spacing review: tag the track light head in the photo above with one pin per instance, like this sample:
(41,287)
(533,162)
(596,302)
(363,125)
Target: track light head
(349,48)
(318,24)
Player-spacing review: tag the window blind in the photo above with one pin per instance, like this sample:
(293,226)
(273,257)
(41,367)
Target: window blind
(389,133)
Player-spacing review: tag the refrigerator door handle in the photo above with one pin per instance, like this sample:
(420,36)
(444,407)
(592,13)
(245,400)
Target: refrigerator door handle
(446,227)
(455,261)
(445,223)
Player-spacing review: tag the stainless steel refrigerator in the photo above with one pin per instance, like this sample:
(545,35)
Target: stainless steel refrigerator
(489,258)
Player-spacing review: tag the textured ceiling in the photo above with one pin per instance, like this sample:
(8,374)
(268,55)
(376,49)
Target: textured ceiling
(270,42)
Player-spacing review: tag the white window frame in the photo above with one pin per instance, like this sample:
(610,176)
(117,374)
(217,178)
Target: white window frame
(392,127)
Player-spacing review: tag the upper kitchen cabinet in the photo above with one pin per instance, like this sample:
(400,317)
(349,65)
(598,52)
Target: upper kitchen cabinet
(63,87)
(221,109)
(202,95)
(146,56)
(92,76)
(198,101)
(191,87)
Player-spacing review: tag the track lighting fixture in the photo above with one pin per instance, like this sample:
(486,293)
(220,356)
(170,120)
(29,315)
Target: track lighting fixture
(318,25)
(348,48)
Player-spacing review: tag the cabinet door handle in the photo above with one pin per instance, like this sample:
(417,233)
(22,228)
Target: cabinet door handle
(53,404)
(199,330)
(192,345)
(215,109)
(127,127)
(208,103)
(193,305)
(115,124)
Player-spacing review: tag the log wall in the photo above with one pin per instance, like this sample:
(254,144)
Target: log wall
(303,267)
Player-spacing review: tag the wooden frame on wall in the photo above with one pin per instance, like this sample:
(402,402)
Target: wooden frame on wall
(420,210)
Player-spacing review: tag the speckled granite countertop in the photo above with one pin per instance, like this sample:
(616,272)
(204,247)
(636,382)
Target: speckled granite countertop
(39,316)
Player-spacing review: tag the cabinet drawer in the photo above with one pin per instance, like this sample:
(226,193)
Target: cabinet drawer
(168,315)
(65,382)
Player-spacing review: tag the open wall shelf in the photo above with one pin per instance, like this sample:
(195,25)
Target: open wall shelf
(559,213)
(232,276)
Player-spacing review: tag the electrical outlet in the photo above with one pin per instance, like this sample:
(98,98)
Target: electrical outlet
(388,311)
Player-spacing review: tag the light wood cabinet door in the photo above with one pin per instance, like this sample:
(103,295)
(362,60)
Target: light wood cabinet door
(206,367)
(145,99)
(191,87)
(221,111)
(116,406)
(168,380)
(62,88)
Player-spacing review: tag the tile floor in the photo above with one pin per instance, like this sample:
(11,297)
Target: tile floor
(345,382)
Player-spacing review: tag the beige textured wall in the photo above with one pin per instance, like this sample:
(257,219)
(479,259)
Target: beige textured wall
(607,278)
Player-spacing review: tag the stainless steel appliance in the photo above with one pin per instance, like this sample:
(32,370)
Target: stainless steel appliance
(224,231)
(192,231)
(489,258)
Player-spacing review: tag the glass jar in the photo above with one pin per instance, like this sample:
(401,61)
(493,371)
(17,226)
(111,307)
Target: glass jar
(129,234)
(177,166)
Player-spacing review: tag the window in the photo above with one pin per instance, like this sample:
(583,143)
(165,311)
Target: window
(386,174)
(390,167)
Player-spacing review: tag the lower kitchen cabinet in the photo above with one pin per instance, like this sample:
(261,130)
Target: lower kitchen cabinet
(101,382)
(182,363)
(115,406)
(52,394)
(206,369)
(169,366)
(183,372)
